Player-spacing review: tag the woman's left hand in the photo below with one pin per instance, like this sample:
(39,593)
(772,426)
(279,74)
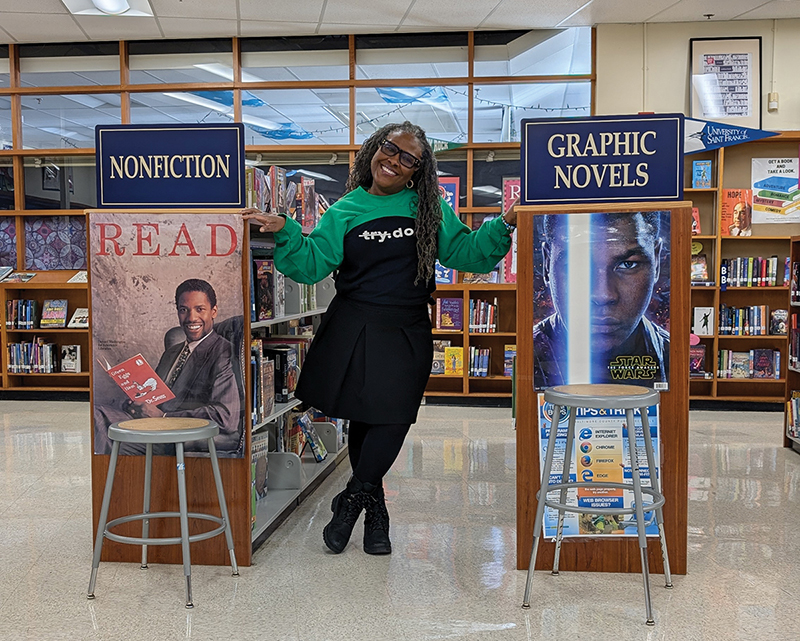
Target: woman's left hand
(510,215)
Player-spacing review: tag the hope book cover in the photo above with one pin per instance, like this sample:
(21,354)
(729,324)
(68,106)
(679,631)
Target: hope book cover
(736,212)
(139,381)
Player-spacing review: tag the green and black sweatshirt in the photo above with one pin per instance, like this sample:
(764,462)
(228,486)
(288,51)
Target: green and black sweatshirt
(371,240)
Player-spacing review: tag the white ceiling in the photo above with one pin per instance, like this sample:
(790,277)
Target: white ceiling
(49,20)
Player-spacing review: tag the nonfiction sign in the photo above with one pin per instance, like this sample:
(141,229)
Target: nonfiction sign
(192,165)
(602,159)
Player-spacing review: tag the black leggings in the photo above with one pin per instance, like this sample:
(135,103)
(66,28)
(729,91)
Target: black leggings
(373,449)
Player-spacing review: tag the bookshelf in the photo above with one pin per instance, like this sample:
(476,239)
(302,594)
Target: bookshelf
(791,434)
(731,169)
(494,385)
(46,285)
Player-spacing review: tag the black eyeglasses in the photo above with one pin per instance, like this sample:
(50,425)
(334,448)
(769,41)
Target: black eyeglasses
(406,159)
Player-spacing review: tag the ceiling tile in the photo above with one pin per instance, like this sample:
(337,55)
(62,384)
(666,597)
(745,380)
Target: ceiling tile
(256,28)
(116,28)
(197,28)
(37,27)
(617,11)
(385,12)
(40,6)
(296,10)
(694,10)
(194,9)
(528,14)
(773,10)
(439,13)
(334,28)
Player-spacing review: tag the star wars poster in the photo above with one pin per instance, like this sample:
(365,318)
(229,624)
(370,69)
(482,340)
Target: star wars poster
(601,293)
(167,323)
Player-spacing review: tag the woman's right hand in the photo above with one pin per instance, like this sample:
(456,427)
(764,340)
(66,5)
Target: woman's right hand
(268,222)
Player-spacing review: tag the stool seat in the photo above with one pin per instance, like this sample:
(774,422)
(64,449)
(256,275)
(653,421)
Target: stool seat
(163,430)
(602,396)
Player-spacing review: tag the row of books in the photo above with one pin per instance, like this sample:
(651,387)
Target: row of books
(483,316)
(753,271)
(794,342)
(270,191)
(24,314)
(756,363)
(40,357)
(479,361)
(755,320)
(793,416)
(794,285)
(448,360)
(275,367)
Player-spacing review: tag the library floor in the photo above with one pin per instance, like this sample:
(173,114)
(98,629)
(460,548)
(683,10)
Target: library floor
(452,575)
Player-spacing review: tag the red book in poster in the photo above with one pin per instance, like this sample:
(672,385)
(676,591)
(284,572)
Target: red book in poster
(511,188)
(139,381)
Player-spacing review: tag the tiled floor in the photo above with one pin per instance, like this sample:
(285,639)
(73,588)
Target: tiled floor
(452,573)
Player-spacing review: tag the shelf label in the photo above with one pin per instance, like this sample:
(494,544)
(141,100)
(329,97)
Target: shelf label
(602,159)
(187,165)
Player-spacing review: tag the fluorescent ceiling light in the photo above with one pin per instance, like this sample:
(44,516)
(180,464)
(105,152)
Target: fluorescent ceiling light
(200,102)
(488,189)
(115,8)
(261,122)
(315,175)
(224,71)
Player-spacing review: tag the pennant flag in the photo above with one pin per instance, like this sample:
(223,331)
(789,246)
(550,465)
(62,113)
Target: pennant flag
(702,135)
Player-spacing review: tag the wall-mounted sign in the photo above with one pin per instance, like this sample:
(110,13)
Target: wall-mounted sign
(193,165)
(602,159)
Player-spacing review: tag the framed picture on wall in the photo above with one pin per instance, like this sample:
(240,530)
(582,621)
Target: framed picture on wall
(726,80)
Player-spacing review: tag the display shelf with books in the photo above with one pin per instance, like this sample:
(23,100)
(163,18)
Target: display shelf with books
(746,254)
(483,353)
(35,334)
(791,432)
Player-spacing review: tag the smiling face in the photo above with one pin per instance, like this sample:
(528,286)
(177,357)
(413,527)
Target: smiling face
(625,256)
(196,315)
(388,175)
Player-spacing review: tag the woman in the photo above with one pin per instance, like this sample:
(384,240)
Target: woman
(371,357)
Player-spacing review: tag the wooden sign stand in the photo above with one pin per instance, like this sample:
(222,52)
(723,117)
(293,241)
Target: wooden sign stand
(615,554)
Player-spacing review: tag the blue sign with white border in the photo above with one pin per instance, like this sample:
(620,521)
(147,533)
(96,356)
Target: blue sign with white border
(183,165)
(602,159)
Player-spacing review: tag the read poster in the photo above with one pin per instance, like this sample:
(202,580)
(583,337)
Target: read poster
(167,324)
(601,292)
(599,453)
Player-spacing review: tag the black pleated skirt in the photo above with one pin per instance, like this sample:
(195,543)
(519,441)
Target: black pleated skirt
(368,363)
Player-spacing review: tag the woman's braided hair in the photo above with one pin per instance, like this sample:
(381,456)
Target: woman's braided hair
(426,184)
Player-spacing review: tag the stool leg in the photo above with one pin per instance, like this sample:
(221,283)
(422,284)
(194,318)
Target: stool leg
(148,474)
(101,524)
(640,523)
(541,496)
(223,506)
(655,483)
(563,496)
(184,514)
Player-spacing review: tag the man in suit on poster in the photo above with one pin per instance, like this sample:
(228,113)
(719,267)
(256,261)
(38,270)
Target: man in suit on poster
(624,253)
(200,372)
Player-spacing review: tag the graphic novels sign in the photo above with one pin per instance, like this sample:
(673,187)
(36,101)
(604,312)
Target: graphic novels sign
(601,298)
(193,165)
(600,453)
(167,328)
(602,159)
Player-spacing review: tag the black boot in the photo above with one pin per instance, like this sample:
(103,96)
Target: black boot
(376,522)
(346,507)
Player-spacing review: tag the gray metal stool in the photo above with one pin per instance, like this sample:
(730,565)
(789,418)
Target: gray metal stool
(619,397)
(163,430)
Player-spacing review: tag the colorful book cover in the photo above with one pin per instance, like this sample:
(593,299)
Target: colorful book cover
(697,359)
(259,459)
(71,358)
(308,203)
(740,365)
(19,277)
(318,448)
(703,324)
(437,366)
(269,290)
(444,275)
(277,190)
(763,363)
(696,231)
(80,318)
(449,190)
(449,313)
(701,174)
(511,187)
(509,352)
(54,314)
(475,278)
(454,361)
(699,268)
(736,215)
(139,381)
(777,321)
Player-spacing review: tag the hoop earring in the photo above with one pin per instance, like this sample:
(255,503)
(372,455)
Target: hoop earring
(410,184)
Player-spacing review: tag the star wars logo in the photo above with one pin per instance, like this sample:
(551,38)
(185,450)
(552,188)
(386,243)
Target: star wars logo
(633,367)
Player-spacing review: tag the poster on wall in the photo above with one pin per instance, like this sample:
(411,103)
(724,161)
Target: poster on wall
(599,453)
(776,195)
(601,298)
(167,325)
